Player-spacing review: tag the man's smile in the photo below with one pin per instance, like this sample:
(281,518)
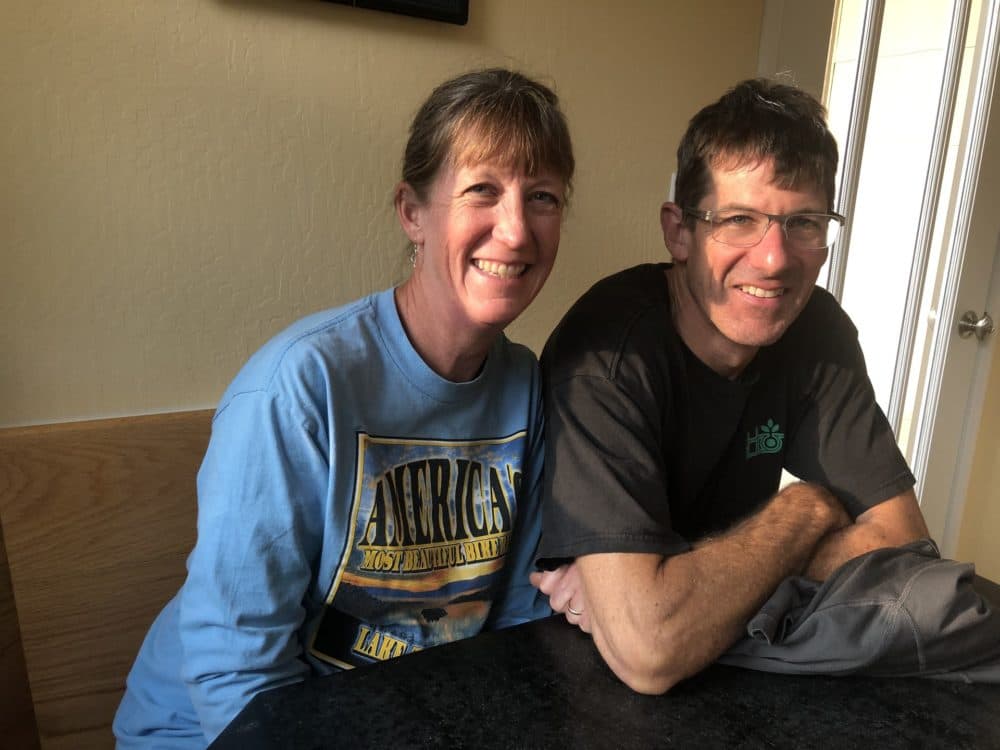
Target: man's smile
(756,291)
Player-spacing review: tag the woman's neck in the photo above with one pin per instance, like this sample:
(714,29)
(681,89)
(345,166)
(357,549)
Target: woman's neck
(456,353)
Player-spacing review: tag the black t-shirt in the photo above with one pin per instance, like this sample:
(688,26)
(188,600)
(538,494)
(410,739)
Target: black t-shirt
(648,449)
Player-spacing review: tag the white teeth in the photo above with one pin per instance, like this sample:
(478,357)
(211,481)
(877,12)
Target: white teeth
(765,293)
(503,270)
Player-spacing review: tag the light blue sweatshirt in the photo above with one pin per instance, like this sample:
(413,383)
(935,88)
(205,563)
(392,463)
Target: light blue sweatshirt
(352,506)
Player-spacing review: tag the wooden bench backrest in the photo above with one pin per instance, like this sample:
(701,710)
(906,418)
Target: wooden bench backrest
(97,519)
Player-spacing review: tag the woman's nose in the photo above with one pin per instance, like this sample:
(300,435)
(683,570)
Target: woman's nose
(511,226)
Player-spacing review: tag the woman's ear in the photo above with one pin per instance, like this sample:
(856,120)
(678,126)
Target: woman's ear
(409,209)
(676,237)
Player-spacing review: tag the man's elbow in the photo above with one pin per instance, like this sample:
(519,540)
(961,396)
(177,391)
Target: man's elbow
(645,665)
(895,522)
(648,681)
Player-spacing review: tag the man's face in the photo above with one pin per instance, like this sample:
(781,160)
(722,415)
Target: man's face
(729,301)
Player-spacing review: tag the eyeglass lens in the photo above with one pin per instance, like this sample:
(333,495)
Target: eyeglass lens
(747,228)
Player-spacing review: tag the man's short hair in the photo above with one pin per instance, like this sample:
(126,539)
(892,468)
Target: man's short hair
(757,120)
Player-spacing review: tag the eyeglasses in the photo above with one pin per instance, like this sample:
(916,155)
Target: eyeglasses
(741,227)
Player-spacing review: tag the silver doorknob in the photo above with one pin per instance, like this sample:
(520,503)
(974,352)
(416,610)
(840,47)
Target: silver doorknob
(971,323)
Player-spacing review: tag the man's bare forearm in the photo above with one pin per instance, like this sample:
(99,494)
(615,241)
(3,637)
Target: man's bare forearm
(892,523)
(658,620)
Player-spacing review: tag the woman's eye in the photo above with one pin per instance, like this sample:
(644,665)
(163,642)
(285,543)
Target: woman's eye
(543,196)
(480,188)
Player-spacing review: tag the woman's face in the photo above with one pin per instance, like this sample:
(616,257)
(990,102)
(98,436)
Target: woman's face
(488,237)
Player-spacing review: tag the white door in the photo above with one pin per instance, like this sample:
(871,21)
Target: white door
(949,439)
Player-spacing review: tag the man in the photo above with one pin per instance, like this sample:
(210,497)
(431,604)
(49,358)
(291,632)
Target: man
(677,393)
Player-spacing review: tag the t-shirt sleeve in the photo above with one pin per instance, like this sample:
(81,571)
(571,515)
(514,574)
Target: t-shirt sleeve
(605,484)
(258,522)
(843,439)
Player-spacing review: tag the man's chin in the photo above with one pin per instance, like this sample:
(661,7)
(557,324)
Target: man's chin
(758,336)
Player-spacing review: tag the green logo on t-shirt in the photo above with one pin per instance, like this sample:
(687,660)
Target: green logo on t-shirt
(765,439)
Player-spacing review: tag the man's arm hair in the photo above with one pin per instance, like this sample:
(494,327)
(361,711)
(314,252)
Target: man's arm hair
(657,620)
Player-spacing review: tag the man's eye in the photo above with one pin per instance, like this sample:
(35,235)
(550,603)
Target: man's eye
(805,222)
(737,220)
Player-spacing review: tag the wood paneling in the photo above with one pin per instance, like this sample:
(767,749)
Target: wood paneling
(17,719)
(98,518)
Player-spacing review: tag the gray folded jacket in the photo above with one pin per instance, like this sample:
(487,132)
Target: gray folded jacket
(901,611)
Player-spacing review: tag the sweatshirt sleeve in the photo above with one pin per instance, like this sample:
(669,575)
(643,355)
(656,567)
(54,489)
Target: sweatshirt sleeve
(519,601)
(260,492)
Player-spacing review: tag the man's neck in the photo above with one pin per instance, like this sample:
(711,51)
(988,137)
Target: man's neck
(699,334)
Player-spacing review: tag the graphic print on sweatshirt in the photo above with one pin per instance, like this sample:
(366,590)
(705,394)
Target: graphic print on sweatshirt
(430,529)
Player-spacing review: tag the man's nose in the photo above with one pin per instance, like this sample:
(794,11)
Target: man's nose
(771,253)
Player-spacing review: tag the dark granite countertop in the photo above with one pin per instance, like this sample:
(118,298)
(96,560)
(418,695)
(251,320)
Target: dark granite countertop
(543,685)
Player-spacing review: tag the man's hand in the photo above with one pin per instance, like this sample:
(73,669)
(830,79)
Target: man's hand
(565,591)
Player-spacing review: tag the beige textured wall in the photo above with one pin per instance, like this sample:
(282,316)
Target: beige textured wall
(794,41)
(183,178)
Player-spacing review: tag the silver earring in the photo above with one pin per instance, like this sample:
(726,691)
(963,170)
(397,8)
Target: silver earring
(414,251)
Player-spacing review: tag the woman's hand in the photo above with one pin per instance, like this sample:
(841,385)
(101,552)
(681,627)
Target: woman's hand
(564,588)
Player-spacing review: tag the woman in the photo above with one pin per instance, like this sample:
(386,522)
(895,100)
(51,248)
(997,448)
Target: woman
(370,488)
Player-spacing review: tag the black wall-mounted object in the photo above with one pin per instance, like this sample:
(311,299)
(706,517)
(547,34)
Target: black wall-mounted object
(449,11)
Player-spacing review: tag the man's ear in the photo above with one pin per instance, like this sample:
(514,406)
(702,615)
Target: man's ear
(676,236)
(409,209)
